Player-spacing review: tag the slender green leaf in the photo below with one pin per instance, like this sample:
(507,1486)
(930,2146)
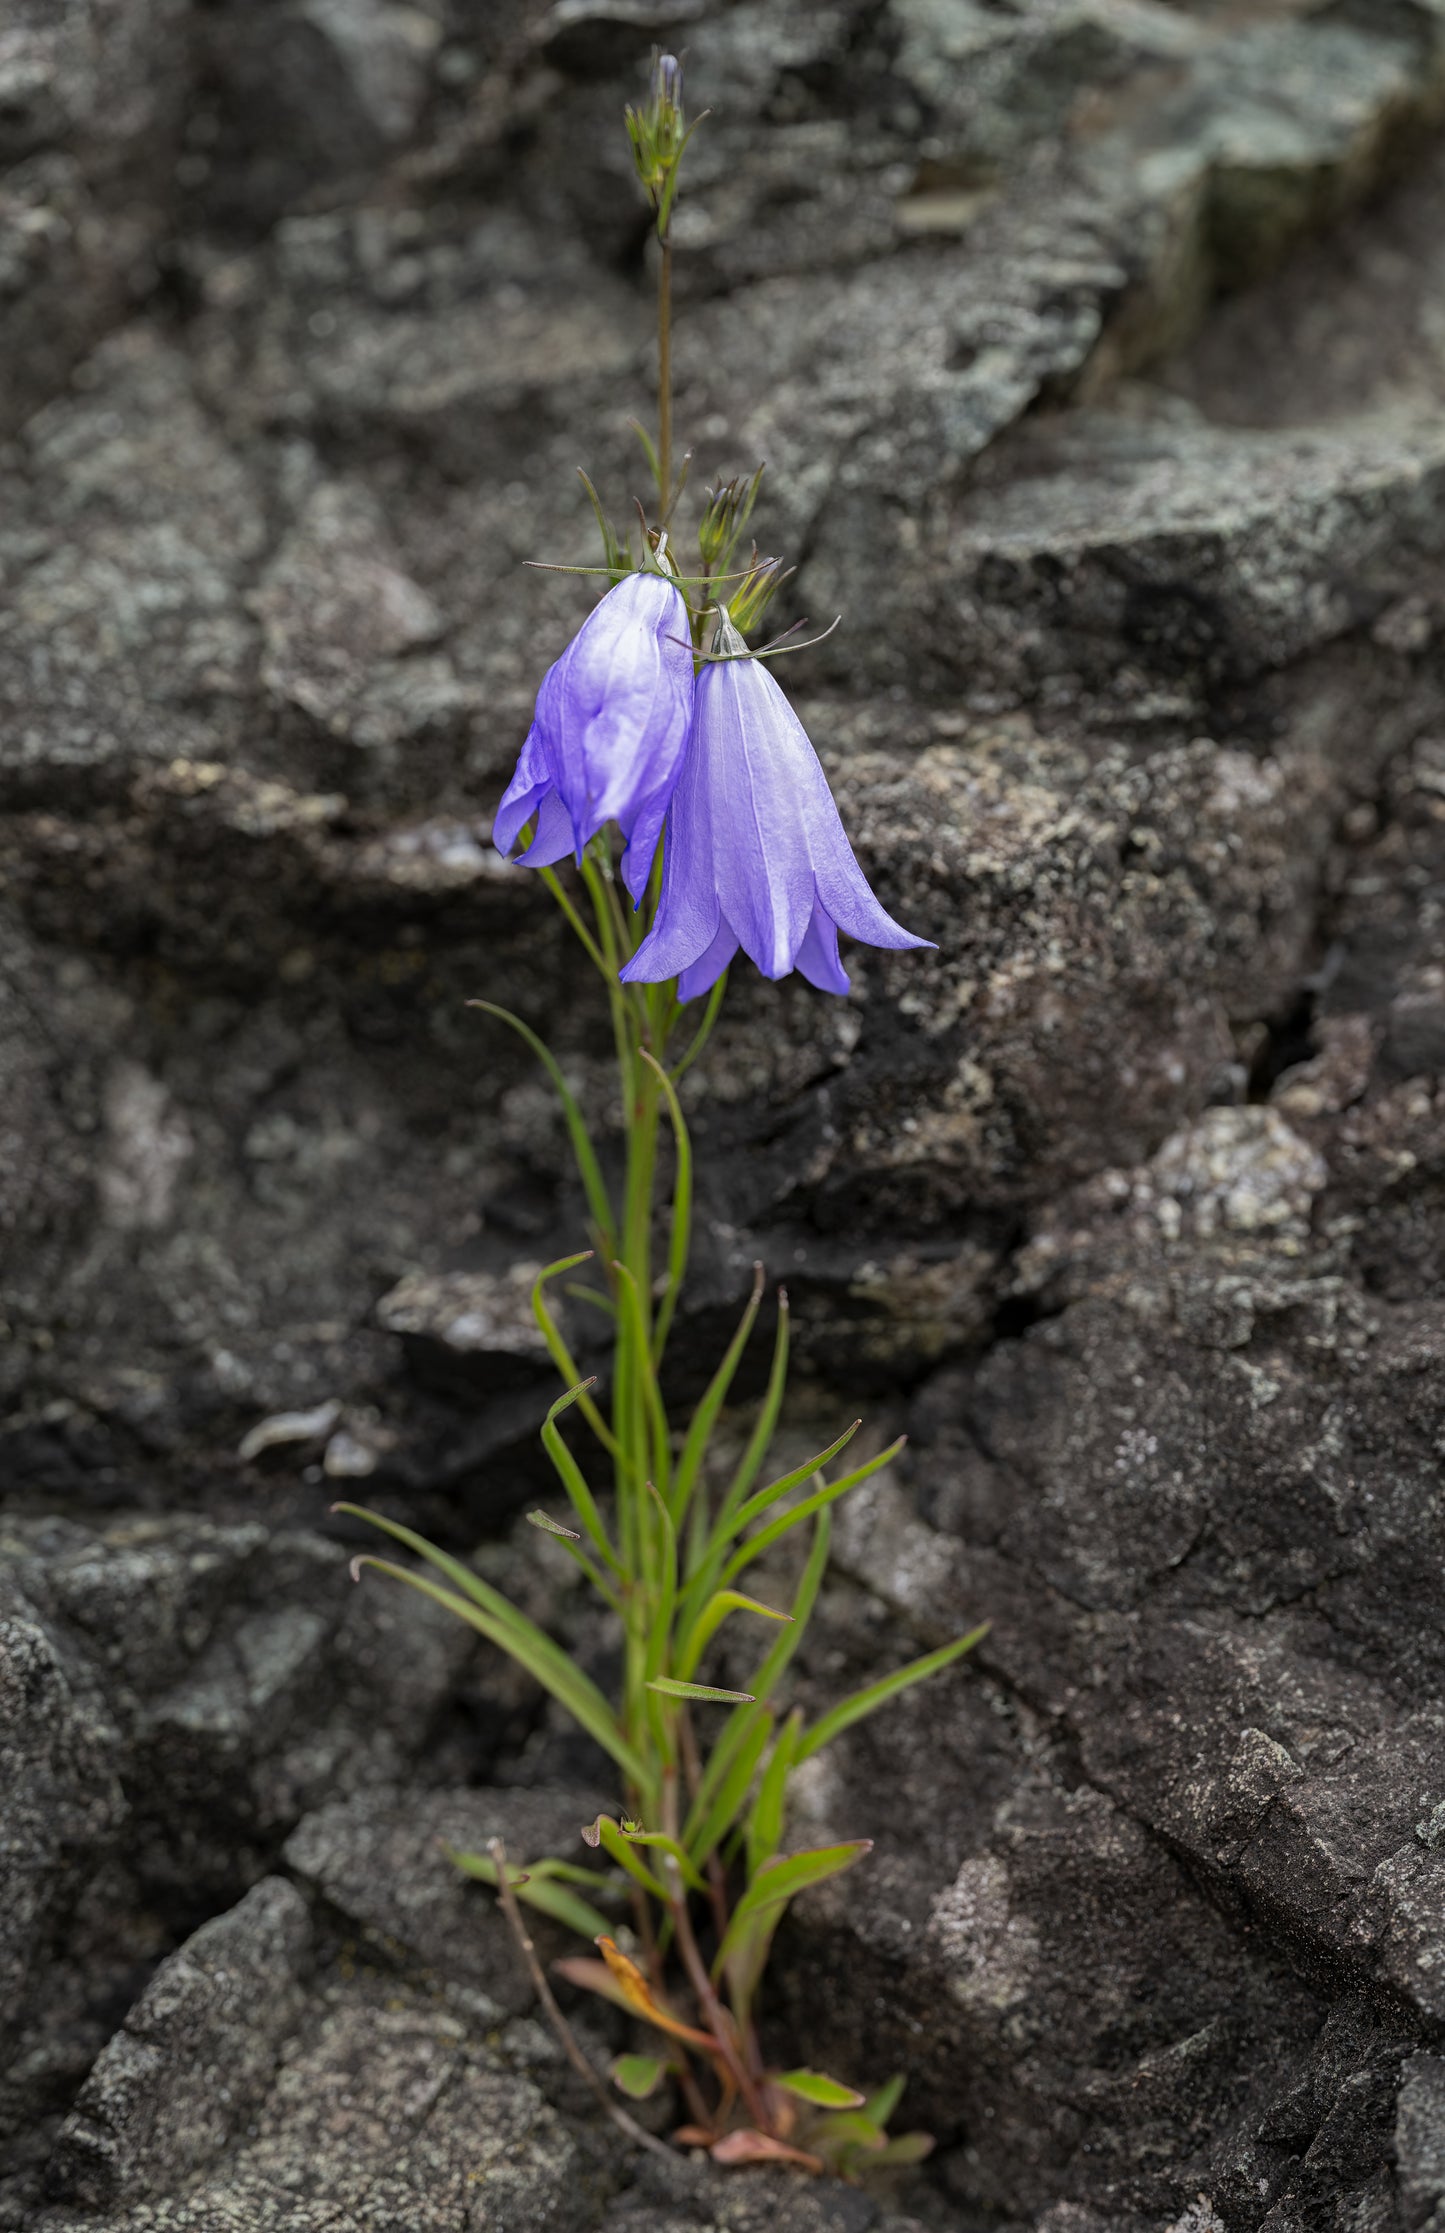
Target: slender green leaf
(670,1689)
(767,1497)
(666,1586)
(541,1892)
(608,1834)
(909,2147)
(550,1526)
(572,1478)
(649,1396)
(716,1809)
(649,451)
(780,1880)
(852,2128)
(750,1464)
(765,1820)
(737,1730)
(824,2093)
(681,1228)
(713,1614)
(704,1030)
(766,1537)
(665,1844)
(709,1570)
(493,1617)
(638,2075)
(881,2105)
(583,1151)
(862,1702)
(562,1356)
(699,1433)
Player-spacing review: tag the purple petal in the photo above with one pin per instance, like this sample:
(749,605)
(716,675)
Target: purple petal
(818,954)
(756,852)
(553,840)
(688,914)
(614,712)
(760,770)
(706,970)
(523,794)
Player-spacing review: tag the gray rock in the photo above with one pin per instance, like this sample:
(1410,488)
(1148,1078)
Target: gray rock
(379,1860)
(178,1694)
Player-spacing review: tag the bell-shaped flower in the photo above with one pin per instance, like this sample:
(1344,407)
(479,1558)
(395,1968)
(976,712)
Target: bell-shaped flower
(607,736)
(756,855)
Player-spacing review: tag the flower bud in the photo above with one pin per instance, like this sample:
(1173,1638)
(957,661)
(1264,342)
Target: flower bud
(659,133)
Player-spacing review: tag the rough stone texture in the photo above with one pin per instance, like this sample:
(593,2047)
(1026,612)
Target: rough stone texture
(1094,347)
(175,1694)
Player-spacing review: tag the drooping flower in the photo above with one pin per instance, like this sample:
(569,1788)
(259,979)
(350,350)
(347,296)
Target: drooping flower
(756,853)
(607,735)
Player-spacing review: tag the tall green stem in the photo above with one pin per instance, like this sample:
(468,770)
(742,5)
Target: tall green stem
(664,369)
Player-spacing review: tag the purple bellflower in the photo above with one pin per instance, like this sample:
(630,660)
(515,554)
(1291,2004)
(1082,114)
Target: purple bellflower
(607,736)
(756,853)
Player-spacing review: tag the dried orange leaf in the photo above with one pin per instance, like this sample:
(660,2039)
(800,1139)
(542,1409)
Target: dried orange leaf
(638,1995)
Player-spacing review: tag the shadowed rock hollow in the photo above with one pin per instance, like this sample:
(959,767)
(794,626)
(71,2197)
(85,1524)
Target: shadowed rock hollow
(1097,352)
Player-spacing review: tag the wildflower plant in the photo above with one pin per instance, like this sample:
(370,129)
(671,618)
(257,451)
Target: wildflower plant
(659,724)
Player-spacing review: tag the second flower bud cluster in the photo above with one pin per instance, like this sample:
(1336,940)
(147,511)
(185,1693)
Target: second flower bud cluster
(630,729)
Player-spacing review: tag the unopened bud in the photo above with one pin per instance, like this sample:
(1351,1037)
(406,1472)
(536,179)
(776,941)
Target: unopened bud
(659,133)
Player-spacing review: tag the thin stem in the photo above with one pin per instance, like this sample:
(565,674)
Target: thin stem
(554,886)
(664,367)
(714,2015)
(567,2038)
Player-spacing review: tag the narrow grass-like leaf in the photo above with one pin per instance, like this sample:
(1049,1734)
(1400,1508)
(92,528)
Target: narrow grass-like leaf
(716,1808)
(765,1818)
(667,1688)
(749,1935)
(571,1476)
(703,1033)
(541,1892)
(694,1448)
(823,2092)
(585,1154)
(562,1356)
(607,1833)
(909,2147)
(487,1611)
(666,1585)
(766,1537)
(738,1730)
(767,1497)
(708,1572)
(638,2076)
(550,1526)
(649,451)
(713,1614)
(665,1844)
(863,1702)
(681,1232)
(639,1352)
(751,1461)
(881,2105)
(852,2129)
(783,1878)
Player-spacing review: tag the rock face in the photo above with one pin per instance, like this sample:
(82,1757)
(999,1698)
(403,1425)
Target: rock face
(1094,350)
